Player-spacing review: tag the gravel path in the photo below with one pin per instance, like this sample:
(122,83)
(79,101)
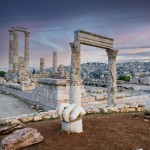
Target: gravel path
(11,106)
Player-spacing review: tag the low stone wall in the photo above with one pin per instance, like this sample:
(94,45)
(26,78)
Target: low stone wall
(95,101)
(47,94)
(26,118)
(52,114)
(25,96)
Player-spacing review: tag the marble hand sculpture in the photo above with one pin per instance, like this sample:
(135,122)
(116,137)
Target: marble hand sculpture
(70,112)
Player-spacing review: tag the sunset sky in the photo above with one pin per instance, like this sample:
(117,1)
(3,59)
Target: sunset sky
(52,24)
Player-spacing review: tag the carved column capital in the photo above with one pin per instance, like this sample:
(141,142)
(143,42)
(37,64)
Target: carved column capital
(112,54)
(26,34)
(11,31)
(75,47)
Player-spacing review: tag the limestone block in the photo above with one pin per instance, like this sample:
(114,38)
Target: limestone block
(140,109)
(103,109)
(112,109)
(15,121)
(100,97)
(9,129)
(133,105)
(27,119)
(21,138)
(131,109)
(124,110)
(89,111)
(47,117)
(38,118)
(147,107)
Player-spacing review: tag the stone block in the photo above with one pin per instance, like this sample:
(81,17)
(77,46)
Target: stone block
(21,138)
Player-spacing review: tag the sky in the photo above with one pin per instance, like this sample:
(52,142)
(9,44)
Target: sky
(52,23)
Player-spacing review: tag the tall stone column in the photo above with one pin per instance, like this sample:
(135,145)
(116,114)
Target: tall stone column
(55,62)
(11,45)
(75,92)
(16,54)
(75,80)
(26,51)
(111,82)
(42,65)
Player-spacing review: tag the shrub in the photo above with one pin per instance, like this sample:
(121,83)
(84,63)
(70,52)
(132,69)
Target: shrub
(2,73)
(125,78)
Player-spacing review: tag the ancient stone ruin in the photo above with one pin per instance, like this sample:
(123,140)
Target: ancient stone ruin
(47,90)
(86,38)
(14,49)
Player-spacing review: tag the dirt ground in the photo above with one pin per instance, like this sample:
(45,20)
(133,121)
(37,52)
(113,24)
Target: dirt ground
(101,132)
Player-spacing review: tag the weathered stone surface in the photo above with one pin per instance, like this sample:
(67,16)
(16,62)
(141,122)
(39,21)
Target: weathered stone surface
(140,109)
(147,107)
(27,119)
(15,121)
(38,118)
(42,65)
(91,39)
(55,61)
(10,129)
(75,64)
(21,138)
(111,82)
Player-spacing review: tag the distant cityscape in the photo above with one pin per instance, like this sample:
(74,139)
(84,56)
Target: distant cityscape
(97,71)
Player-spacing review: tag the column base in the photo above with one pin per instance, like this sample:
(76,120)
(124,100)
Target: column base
(75,126)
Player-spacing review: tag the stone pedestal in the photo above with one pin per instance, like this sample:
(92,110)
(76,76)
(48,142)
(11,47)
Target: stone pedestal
(111,82)
(75,126)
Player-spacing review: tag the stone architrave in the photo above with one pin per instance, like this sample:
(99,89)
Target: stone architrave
(11,45)
(26,51)
(55,62)
(111,81)
(16,54)
(42,65)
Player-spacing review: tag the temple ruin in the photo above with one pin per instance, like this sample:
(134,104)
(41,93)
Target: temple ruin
(14,49)
(86,38)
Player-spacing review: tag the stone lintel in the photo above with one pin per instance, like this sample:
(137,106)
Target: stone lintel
(91,39)
(92,34)
(21,29)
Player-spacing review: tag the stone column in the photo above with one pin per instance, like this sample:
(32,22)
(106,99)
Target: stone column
(16,54)
(55,62)
(75,80)
(111,82)
(61,70)
(26,51)
(75,92)
(42,65)
(11,45)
